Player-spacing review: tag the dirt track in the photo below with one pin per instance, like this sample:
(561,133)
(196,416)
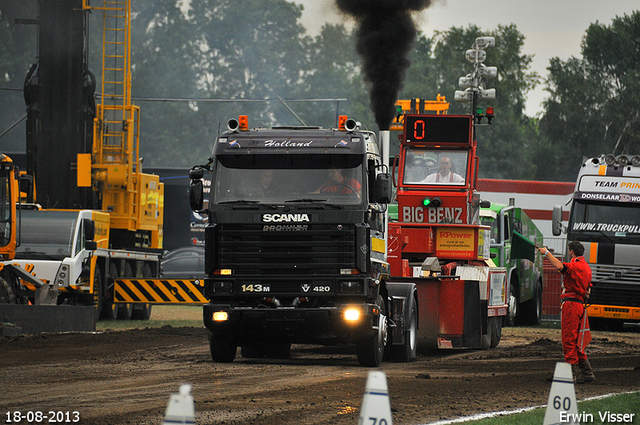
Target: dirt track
(125,377)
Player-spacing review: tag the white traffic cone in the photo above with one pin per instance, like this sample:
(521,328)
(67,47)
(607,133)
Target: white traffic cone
(376,407)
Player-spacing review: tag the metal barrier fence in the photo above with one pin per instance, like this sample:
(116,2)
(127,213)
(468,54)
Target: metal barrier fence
(552,288)
(557,245)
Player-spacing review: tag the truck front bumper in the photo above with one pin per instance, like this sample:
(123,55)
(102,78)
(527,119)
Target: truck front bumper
(296,325)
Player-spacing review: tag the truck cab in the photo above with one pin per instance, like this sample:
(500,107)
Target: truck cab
(438,241)
(295,240)
(55,245)
(437,153)
(605,218)
(524,277)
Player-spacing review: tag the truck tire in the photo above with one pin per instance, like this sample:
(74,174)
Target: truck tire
(125,311)
(512,303)
(7,296)
(532,309)
(223,350)
(98,293)
(496,330)
(485,338)
(371,351)
(407,352)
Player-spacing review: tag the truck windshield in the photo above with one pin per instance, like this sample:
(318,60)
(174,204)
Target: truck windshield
(605,222)
(493,223)
(5,211)
(282,178)
(441,167)
(46,234)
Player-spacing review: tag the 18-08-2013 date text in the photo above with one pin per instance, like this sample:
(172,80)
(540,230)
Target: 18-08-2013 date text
(37,417)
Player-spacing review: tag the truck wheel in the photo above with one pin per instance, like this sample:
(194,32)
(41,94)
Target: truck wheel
(7,296)
(495,323)
(532,309)
(407,352)
(125,311)
(485,339)
(98,296)
(512,305)
(371,351)
(223,350)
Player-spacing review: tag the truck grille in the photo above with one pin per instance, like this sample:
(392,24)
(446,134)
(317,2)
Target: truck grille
(615,285)
(250,251)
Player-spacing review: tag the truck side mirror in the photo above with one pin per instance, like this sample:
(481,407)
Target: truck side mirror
(556,220)
(196,173)
(383,188)
(196,195)
(196,188)
(89,228)
(26,186)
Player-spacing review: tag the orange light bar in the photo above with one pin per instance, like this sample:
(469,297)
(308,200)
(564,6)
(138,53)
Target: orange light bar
(342,119)
(243,121)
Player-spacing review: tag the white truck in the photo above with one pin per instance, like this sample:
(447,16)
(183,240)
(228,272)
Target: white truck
(69,251)
(605,218)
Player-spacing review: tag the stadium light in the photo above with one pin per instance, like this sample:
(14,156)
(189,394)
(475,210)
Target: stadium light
(471,85)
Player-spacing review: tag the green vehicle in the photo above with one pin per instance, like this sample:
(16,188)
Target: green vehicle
(524,276)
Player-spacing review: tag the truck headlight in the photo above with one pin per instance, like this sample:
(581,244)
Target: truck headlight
(220,316)
(62,276)
(352,314)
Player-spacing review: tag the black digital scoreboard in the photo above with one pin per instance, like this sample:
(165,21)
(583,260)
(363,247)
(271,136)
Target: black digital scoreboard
(439,129)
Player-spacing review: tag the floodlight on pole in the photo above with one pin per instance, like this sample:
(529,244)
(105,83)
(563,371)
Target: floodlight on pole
(472,84)
(476,55)
(487,71)
(485,42)
(466,82)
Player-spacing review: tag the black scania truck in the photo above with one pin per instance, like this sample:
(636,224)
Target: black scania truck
(295,244)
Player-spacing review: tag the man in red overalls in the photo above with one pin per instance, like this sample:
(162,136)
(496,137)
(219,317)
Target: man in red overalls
(576,283)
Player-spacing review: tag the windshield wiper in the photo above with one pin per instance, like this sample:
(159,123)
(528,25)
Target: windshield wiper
(251,204)
(238,201)
(309,200)
(323,202)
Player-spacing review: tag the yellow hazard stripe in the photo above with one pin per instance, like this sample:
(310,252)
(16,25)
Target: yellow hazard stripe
(156,291)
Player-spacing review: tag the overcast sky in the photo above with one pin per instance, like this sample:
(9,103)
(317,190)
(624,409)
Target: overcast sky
(552,28)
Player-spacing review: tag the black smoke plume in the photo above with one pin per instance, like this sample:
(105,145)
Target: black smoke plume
(385,33)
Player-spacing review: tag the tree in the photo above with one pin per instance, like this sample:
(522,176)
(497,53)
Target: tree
(594,103)
(217,49)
